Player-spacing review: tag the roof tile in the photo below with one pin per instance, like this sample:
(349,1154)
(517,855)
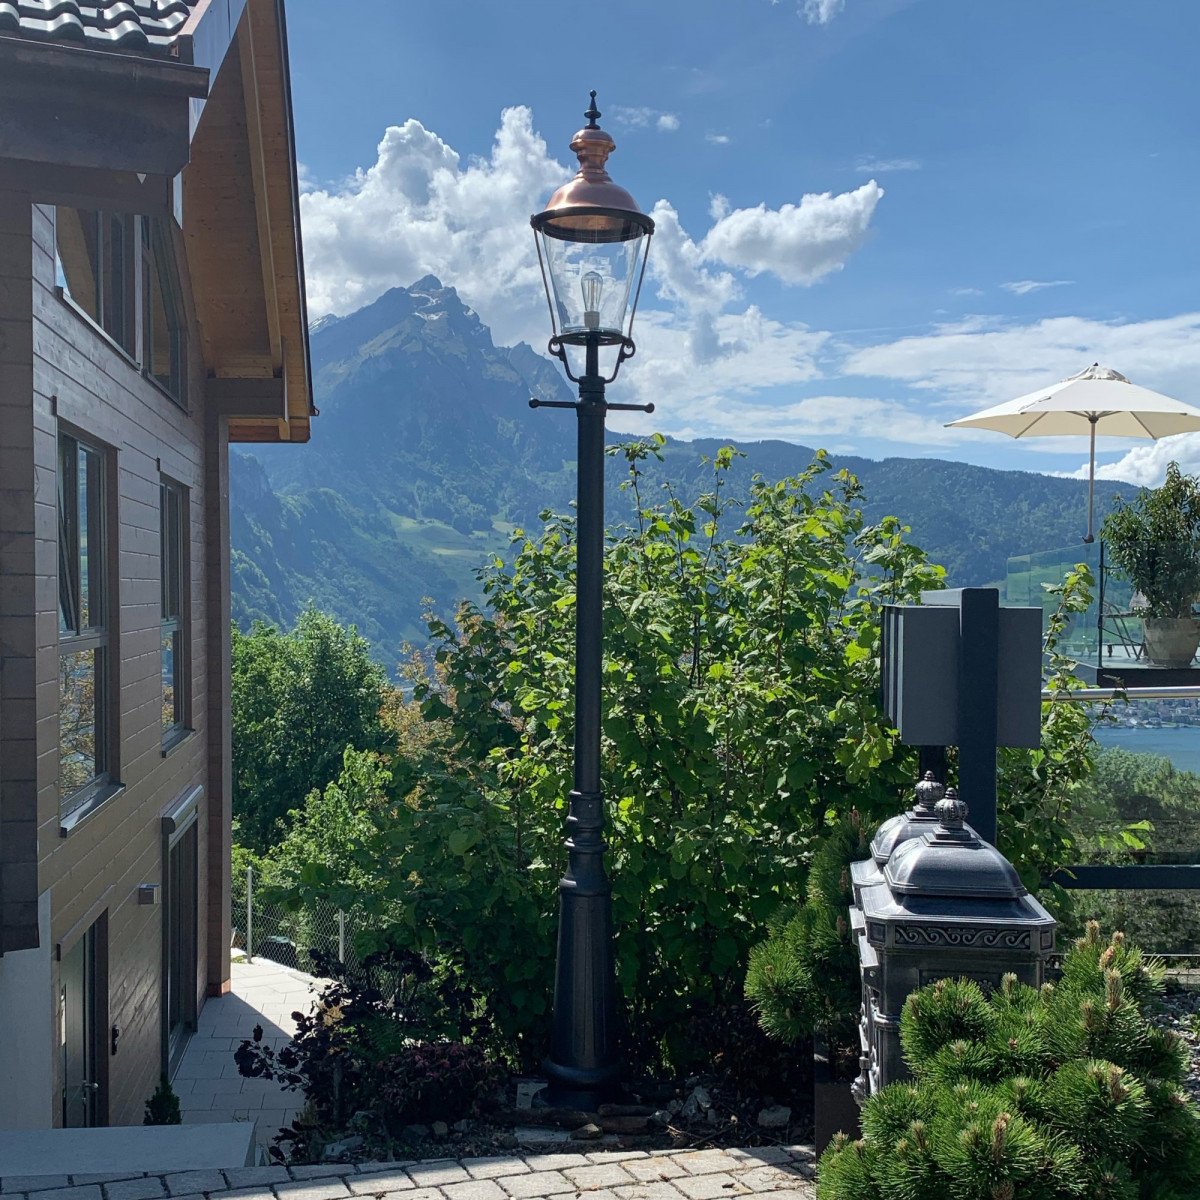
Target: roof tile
(142,26)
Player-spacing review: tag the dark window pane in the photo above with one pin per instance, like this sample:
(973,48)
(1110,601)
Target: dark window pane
(76,243)
(68,537)
(174,561)
(81,681)
(94,267)
(164,335)
(114,279)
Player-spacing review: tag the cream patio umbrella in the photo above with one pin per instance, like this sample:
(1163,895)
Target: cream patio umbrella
(1097,400)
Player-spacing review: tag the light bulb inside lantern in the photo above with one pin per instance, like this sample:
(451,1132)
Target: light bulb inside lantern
(592,285)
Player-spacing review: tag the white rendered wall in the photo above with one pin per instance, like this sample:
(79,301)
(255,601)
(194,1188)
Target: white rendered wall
(27,1015)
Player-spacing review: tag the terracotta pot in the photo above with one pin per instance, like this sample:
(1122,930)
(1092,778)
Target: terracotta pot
(1171,641)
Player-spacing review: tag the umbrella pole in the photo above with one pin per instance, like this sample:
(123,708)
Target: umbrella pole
(1092,420)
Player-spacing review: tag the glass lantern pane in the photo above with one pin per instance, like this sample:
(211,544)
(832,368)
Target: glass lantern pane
(591,282)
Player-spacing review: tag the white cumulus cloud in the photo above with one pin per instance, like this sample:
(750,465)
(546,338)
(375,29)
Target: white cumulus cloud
(422,208)
(797,242)
(419,209)
(1146,464)
(718,139)
(666,122)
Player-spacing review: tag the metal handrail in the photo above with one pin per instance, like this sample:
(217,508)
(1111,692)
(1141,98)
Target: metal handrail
(1088,695)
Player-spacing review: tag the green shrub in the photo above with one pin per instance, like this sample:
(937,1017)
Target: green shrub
(1027,1094)
(804,977)
(740,717)
(163,1106)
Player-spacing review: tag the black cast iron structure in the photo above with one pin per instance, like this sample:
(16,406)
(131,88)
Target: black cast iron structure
(584,1064)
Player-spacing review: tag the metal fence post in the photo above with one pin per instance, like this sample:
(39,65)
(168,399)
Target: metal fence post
(249,913)
(341,936)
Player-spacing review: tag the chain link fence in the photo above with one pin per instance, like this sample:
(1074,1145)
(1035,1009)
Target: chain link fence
(290,938)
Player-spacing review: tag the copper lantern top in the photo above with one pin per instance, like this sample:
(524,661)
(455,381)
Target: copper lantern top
(591,208)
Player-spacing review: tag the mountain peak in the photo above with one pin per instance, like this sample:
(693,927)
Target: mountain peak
(427,284)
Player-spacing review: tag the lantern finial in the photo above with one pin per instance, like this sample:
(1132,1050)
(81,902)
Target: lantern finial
(593,113)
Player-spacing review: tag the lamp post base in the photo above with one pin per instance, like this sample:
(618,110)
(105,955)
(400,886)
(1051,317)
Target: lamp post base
(583,1065)
(582,1088)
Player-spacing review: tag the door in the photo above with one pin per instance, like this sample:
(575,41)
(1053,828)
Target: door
(179,940)
(78,1033)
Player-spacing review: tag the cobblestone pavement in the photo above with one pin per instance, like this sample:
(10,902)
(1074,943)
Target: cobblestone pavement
(783,1172)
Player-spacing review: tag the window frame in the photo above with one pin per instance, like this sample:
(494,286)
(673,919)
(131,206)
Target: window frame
(175,612)
(75,635)
(158,262)
(124,338)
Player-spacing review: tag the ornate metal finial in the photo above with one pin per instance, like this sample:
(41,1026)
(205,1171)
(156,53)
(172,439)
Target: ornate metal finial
(951,811)
(593,113)
(929,792)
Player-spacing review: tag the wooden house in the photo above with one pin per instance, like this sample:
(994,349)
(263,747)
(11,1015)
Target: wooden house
(152,311)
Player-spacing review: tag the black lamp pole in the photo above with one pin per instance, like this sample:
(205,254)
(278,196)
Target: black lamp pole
(592,244)
(584,1063)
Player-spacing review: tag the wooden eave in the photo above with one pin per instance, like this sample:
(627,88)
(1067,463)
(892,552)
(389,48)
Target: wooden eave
(242,232)
(76,121)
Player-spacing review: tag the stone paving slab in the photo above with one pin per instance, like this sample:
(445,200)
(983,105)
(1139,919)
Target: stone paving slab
(779,1172)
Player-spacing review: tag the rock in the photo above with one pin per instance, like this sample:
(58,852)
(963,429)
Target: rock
(415,1133)
(711,1116)
(527,1090)
(587,1133)
(439,1129)
(336,1149)
(662,1117)
(463,1126)
(775,1117)
(674,1106)
(507,1141)
(698,1103)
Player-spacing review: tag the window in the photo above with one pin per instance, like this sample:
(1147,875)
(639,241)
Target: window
(163,332)
(173,543)
(94,268)
(82,622)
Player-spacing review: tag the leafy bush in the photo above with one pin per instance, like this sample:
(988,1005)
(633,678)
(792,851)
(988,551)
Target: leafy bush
(376,1053)
(298,700)
(1064,1091)
(1155,540)
(740,716)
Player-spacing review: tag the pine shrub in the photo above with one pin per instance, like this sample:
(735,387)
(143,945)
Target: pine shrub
(163,1106)
(1031,1094)
(804,977)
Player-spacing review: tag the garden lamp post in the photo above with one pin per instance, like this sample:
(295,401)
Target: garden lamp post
(592,242)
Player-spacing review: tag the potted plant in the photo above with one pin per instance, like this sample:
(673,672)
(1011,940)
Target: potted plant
(1155,540)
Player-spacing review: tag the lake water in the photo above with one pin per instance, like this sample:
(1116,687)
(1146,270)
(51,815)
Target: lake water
(1181,746)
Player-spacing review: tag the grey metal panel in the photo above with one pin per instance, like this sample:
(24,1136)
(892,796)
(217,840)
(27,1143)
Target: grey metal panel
(919,672)
(1019,711)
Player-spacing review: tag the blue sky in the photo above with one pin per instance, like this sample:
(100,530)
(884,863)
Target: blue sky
(998,194)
